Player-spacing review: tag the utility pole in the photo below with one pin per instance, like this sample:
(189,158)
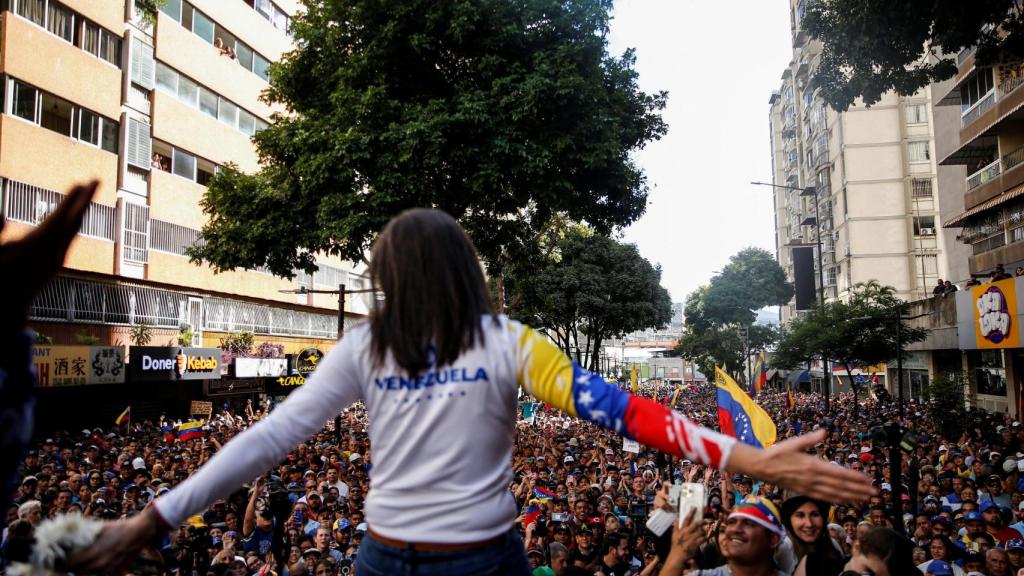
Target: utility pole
(826,373)
(341,292)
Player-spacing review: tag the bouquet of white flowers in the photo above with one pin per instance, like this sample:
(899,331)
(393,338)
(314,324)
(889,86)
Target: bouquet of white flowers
(55,540)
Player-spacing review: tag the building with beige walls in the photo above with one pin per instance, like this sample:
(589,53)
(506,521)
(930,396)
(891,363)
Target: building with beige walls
(152,107)
(869,176)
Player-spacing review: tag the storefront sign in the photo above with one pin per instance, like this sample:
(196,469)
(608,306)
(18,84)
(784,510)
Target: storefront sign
(995,315)
(259,367)
(160,364)
(307,361)
(78,365)
(200,408)
(231,387)
(284,385)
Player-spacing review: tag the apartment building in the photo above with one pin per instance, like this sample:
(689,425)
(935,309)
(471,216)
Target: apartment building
(868,176)
(151,105)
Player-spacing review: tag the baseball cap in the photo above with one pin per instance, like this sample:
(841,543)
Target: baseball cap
(568,460)
(354,456)
(138,463)
(973,516)
(987,505)
(1015,544)
(940,568)
(342,524)
(535,551)
(609,451)
(760,511)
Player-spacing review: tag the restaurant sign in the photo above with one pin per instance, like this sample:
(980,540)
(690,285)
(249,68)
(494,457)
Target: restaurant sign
(78,365)
(166,364)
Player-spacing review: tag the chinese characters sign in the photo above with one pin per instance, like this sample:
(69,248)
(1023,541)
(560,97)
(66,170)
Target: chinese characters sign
(78,365)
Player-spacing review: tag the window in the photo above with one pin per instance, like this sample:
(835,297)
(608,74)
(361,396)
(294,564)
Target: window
(208,102)
(184,164)
(918,151)
(204,171)
(60,21)
(246,122)
(188,91)
(166,79)
(91,38)
(281,20)
(33,10)
(31,204)
(922,188)
(24,101)
(244,55)
(976,88)
(172,238)
(924,225)
(110,48)
(136,233)
(88,127)
(228,113)
(260,65)
(55,114)
(989,372)
(917,114)
(202,26)
(172,8)
(110,140)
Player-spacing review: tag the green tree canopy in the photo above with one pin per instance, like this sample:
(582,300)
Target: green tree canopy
(854,333)
(502,113)
(873,46)
(590,288)
(719,317)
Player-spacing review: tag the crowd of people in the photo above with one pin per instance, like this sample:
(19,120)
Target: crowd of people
(585,497)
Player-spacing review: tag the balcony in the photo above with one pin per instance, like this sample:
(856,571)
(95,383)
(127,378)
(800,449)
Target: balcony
(972,114)
(965,54)
(984,175)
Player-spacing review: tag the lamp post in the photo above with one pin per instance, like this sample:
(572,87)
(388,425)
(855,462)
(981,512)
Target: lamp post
(813,191)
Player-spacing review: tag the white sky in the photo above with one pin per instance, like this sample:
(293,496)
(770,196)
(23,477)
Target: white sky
(719,62)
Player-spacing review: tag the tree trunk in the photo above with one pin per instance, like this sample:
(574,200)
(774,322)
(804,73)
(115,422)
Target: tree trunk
(595,357)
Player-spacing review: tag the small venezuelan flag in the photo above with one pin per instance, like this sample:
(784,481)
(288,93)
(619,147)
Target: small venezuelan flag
(739,416)
(125,416)
(190,431)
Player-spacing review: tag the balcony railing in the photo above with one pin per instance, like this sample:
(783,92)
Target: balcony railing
(984,175)
(1010,83)
(979,108)
(1012,159)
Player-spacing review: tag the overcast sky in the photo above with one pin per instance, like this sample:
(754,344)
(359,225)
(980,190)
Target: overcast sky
(719,62)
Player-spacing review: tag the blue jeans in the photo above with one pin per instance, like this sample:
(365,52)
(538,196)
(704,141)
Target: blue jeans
(506,556)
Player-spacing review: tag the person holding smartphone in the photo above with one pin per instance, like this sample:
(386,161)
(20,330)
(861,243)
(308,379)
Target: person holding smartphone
(439,373)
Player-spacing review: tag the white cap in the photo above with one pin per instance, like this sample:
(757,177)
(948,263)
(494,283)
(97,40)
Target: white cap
(942,448)
(138,463)
(568,459)
(354,456)
(362,527)
(1009,465)
(886,486)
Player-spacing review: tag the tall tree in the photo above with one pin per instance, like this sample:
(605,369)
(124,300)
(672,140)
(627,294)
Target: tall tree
(719,317)
(502,113)
(590,289)
(855,333)
(873,46)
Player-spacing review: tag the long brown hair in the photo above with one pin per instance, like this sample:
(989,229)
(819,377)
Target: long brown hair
(434,291)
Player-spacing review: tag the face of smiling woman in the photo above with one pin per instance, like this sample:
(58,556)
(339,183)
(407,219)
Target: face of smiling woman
(807,523)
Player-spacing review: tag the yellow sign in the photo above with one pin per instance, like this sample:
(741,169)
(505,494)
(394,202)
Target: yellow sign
(200,407)
(296,380)
(995,315)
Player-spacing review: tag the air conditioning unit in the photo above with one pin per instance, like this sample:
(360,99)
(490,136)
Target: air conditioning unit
(927,231)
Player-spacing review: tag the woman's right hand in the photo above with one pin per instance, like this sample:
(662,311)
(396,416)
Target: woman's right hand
(117,545)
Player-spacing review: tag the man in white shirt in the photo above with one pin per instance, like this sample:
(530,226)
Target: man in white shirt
(334,482)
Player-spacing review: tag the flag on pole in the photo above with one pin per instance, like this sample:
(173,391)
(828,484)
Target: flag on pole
(675,396)
(790,399)
(633,387)
(739,416)
(190,431)
(760,373)
(125,416)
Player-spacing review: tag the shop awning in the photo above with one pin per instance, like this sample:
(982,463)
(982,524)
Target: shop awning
(958,220)
(798,377)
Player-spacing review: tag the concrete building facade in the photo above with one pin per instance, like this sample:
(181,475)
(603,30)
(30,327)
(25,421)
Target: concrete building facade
(152,106)
(869,176)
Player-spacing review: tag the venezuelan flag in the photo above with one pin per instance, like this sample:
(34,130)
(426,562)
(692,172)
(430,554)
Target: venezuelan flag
(790,399)
(739,416)
(760,373)
(125,416)
(633,387)
(190,431)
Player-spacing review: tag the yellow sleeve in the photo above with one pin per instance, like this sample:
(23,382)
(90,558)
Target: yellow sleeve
(542,369)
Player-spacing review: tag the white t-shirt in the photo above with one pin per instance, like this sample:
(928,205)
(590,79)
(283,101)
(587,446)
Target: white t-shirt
(442,442)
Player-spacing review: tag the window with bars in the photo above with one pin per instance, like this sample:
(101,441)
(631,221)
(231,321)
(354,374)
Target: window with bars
(172,238)
(32,204)
(136,233)
(922,188)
